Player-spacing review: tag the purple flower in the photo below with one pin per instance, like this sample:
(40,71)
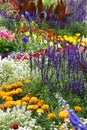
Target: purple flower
(27,16)
(25,39)
(83,127)
(74,119)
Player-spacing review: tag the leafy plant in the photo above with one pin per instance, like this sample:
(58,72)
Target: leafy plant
(7,46)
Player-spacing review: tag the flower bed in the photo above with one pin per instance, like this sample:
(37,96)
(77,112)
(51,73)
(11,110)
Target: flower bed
(43,66)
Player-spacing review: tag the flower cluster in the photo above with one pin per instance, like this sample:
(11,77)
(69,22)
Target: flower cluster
(12,71)
(7,35)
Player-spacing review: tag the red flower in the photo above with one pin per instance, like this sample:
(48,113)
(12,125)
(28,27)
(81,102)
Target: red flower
(24,29)
(15,126)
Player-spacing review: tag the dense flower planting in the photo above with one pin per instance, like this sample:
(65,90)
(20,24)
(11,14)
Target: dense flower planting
(43,65)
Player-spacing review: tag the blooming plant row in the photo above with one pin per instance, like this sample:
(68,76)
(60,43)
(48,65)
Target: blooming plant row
(30,110)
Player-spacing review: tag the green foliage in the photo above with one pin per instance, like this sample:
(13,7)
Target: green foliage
(78,27)
(7,46)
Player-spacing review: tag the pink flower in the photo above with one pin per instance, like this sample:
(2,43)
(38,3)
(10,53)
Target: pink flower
(1,2)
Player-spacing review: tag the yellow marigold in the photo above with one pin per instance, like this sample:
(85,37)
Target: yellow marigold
(77,108)
(33,100)
(24,103)
(19,84)
(41,111)
(2,94)
(78,40)
(11,93)
(50,116)
(63,115)
(74,42)
(45,107)
(7,98)
(19,90)
(40,103)
(77,34)
(28,81)
(32,107)
(26,98)
(18,103)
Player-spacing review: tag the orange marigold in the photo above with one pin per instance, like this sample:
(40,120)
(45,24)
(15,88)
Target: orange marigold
(7,98)
(1,107)
(26,98)
(50,116)
(45,107)
(40,103)
(77,108)
(19,84)
(9,104)
(33,100)
(63,114)
(4,87)
(32,107)
(13,86)
(19,90)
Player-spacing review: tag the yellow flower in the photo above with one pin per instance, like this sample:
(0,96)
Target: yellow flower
(33,100)
(41,111)
(77,34)
(19,91)
(34,36)
(45,107)
(18,103)
(2,94)
(50,116)
(74,42)
(70,39)
(77,108)
(24,103)
(27,34)
(65,37)
(63,115)
(79,40)
(7,98)
(27,81)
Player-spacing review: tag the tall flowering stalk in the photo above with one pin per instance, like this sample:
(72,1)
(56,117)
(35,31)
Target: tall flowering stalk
(64,71)
(27,17)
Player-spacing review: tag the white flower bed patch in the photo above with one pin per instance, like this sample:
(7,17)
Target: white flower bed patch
(12,71)
(18,116)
